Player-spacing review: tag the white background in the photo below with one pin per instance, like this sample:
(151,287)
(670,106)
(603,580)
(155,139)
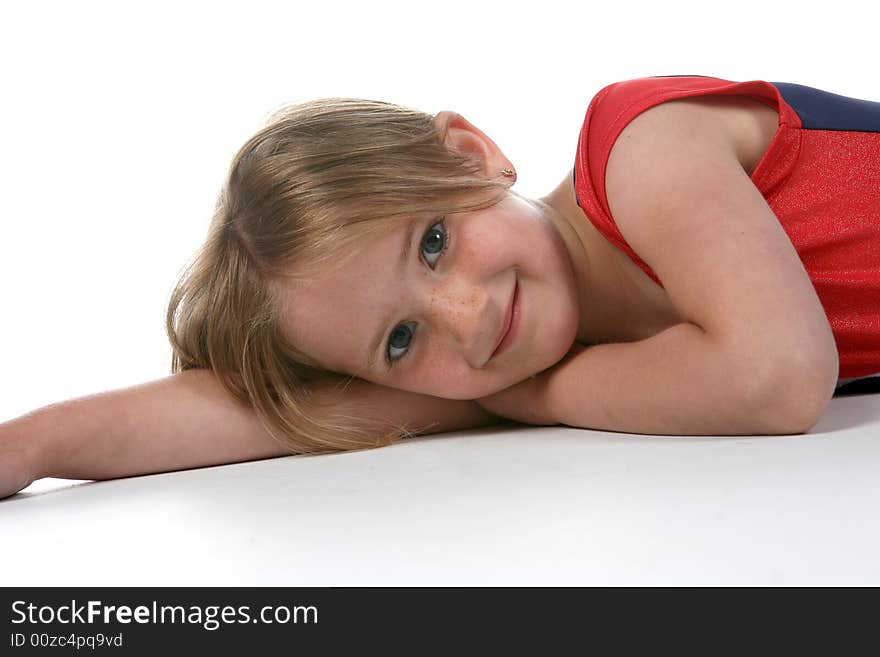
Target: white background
(117,125)
(119,121)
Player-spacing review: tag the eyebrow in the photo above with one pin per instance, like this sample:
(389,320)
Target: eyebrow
(381,331)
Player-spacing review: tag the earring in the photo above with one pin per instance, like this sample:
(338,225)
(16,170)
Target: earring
(508,172)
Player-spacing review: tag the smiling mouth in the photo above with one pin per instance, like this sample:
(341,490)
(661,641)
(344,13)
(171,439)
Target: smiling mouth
(510,322)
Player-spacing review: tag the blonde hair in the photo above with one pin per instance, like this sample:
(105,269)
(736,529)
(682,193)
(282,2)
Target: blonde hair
(317,178)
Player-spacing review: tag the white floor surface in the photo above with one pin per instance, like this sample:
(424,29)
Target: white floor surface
(520,506)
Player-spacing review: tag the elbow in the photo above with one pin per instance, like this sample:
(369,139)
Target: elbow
(787,424)
(795,398)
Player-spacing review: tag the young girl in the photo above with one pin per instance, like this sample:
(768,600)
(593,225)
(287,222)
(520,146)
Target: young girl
(709,266)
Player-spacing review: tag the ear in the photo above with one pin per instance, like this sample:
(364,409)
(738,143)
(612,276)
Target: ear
(462,136)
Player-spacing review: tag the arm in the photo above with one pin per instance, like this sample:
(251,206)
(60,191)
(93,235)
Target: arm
(682,199)
(677,382)
(186,420)
(756,353)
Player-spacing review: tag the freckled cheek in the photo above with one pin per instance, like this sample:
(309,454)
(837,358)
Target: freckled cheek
(442,373)
(454,300)
(441,361)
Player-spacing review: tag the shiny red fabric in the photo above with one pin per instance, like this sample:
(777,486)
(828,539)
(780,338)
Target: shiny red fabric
(822,185)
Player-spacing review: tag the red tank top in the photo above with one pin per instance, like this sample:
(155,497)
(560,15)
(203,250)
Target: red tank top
(822,184)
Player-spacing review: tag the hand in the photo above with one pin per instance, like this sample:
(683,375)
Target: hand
(530,401)
(18,467)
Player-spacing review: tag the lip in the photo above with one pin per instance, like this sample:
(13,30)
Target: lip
(511,323)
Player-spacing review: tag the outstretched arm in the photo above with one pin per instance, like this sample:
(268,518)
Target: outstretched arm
(186,420)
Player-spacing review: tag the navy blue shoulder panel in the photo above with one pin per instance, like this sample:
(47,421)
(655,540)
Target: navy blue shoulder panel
(822,110)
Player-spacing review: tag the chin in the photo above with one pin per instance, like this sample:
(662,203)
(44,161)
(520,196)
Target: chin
(476,389)
(564,336)
(471,390)
(470,393)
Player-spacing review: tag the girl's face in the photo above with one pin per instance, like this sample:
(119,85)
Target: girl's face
(423,307)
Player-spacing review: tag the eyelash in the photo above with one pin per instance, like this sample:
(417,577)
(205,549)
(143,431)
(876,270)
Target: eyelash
(446,239)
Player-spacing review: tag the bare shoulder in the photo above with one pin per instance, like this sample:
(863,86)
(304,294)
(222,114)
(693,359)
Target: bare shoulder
(737,124)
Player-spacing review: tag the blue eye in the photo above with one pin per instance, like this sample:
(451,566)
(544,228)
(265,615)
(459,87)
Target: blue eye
(434,242)
(398,341)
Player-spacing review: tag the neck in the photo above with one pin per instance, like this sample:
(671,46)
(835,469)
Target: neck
(605,291)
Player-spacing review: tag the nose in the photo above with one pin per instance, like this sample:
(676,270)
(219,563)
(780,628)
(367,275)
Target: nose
(463,314)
